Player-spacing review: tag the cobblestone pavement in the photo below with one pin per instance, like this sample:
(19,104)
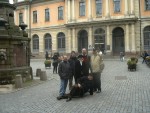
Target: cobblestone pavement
(122,92)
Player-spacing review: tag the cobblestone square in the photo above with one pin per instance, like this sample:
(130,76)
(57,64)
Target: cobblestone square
(130,93)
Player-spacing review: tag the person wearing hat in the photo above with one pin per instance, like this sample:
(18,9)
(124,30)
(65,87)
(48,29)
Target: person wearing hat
(79,68)
(97,67)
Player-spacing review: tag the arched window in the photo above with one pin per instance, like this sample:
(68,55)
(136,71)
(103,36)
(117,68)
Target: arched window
(147,38)
(99,39)
(35,43)
(48,42)
(61,41)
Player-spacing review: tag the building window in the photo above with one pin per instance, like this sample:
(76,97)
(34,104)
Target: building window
(61,40)
(47,15)
(34,16)
(48,42)
(147,4)
(60,13)
(98,7)
(20,18)
(116,5)
(147,38)
(82,8)
(35,43)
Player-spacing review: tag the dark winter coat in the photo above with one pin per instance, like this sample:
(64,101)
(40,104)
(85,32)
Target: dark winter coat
(86,85)
(64,70)
(78,70)
(86,66)
(72,61)
(55,60)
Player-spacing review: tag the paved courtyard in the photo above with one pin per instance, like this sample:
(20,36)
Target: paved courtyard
(122,92)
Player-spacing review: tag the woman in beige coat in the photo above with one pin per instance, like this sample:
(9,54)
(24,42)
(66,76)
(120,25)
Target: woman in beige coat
(97,67)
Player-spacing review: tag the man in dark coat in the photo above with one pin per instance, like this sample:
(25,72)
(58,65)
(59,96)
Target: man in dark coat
(85,84)
(72,61)
(64,72)
(79,64)
(86,60)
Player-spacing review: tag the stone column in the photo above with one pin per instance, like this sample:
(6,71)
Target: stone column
(127,43)
(73,10)
(107,9)
(90,10)
(73,40)
(108,36)
(69,42)
(69,11)
(126,8)
(90,41)
(133,38)
(132,7)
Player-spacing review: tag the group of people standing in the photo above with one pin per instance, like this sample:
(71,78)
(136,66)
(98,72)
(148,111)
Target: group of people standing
(86,71)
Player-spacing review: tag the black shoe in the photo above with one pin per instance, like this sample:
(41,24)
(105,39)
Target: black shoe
(59,97)
(68,99)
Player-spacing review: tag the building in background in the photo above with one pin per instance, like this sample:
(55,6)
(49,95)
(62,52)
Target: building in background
(112,26)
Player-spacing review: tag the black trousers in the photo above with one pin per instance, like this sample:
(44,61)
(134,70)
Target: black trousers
(55,68)
(97,81)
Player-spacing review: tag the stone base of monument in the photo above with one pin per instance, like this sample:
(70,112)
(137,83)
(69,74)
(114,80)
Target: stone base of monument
(6,88)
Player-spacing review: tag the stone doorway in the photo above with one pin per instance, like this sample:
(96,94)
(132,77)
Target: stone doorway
(118,41)
(82,40)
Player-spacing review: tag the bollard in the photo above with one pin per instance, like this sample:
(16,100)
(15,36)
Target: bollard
(38,72)
(43,76)
(18,81)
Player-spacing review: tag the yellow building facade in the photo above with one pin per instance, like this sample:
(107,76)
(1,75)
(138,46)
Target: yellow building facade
(112,26)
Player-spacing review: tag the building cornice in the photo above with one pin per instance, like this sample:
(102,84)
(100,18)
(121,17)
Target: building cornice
(103,22)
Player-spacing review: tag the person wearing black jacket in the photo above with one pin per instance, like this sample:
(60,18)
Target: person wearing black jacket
(86,61)
(64,72)
(79,64)
(72,61)
(55,63)
(84,85)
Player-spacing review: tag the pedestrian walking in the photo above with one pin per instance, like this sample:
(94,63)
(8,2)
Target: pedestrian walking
(72,61)
(46,55)
(144,55)
(64,71)
(55,63)
(121,56)
(97,67)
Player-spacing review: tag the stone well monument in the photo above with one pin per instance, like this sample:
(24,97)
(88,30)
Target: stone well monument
(14,46)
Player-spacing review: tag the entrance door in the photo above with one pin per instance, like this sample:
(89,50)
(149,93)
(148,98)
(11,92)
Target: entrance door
(118,41)
(82,40)
(99,39)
